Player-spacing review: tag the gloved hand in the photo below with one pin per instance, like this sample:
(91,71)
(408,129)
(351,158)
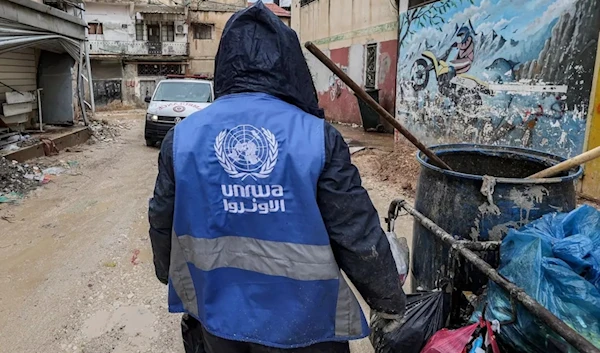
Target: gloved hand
(391,322)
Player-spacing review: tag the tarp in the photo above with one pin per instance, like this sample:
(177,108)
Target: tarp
(14,36)
(264,57)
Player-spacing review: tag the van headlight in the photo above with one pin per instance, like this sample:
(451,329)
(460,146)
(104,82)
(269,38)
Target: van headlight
(152,117)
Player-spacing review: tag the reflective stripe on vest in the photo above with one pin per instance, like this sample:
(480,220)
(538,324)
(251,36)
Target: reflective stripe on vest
(295,261)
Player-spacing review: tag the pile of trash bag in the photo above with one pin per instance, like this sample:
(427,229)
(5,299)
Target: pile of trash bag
(426,313)
(476,338)
(556,260)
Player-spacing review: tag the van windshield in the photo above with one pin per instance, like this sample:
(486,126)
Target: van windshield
(195,92)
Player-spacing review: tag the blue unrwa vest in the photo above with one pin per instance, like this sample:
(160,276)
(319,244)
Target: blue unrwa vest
(251,257)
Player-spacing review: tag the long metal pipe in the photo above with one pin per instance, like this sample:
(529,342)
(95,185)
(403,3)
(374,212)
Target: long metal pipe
(566,332)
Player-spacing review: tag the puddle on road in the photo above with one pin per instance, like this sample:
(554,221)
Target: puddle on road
(134,321)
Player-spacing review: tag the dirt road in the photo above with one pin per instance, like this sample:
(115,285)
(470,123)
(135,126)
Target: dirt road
(77,273)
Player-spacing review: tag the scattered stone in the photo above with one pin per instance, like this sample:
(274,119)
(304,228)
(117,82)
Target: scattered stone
(102,130)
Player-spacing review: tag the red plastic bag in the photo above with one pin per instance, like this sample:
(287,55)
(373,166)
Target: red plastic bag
(450,341)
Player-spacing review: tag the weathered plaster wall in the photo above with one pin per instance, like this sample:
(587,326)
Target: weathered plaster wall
(117,22)
(342,30)
(203,51)
(524,72)
(336,98)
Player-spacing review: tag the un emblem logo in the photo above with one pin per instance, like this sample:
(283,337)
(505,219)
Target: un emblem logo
(246,151)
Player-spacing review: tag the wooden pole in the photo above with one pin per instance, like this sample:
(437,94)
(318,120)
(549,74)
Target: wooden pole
(568,164)
(374,105)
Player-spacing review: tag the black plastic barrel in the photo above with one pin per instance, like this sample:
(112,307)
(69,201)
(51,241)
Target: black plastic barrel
(370,118)
(473,207)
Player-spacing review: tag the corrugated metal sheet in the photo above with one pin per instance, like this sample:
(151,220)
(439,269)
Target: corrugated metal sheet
(17,70)
(16,36)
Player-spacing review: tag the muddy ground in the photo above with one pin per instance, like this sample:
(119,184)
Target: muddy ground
(77,273)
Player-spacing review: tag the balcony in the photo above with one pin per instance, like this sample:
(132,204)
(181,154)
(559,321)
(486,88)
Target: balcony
(112,47)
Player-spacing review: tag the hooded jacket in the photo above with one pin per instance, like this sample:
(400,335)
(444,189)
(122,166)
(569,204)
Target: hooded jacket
(259,54)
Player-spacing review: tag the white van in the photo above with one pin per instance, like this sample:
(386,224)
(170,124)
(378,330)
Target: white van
(173,100)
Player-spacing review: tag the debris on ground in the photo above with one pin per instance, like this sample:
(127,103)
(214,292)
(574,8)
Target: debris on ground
(102,130)
(13,181)
(13,140)
(399,167)
(18,179)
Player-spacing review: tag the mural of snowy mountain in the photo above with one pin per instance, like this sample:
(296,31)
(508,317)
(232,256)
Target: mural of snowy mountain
(499,71)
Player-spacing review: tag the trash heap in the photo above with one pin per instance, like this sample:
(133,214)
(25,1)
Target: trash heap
(10,141)
(102,130)
(16,180)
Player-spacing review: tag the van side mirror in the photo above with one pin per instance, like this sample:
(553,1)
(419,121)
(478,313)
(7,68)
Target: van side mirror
(147,99)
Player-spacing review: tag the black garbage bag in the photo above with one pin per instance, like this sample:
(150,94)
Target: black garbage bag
(426,314)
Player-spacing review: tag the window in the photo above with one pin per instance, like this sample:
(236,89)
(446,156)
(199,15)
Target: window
(158,69)
(153,32)
(305,2)
(371,66)
(168,32)
(139,31)
(95,28)
(195,92)
(203,31)
(417,3)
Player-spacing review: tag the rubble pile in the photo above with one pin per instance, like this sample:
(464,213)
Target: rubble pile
(17,179)
(102,130)
(14,141)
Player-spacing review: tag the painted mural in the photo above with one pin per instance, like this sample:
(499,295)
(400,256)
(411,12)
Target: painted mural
(498,72)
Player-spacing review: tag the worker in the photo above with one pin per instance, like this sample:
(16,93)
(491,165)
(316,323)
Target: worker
(257,209)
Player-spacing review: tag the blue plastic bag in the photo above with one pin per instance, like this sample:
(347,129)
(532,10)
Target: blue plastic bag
(556,260)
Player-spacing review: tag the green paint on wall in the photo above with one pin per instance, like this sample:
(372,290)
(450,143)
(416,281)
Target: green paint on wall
(386,27)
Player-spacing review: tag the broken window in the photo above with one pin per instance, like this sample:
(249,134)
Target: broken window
(203,31)
(305,2)
(168,32)
(158,69)
(371,66)
(417,3)
(95,28)
(139,31)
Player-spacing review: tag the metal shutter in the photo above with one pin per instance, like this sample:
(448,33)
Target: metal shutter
(18,70)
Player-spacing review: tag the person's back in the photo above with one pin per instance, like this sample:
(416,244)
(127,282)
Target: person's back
(265,208)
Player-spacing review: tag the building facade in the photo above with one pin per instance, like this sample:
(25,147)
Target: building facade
(134,45)
(361,37)
(207,20)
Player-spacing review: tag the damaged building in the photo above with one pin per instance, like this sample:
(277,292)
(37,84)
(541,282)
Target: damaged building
(42,65)
(132,46)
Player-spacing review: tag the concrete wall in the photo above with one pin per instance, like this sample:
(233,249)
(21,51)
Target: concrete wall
(203,51)
(343,30)
(526,72)
(117,21)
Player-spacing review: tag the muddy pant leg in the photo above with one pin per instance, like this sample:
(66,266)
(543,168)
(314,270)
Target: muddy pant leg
(191,330)
(214,344)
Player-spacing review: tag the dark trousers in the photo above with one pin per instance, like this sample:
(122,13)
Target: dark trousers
(197,340)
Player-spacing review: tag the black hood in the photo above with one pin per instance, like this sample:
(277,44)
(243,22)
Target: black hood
(259,53)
